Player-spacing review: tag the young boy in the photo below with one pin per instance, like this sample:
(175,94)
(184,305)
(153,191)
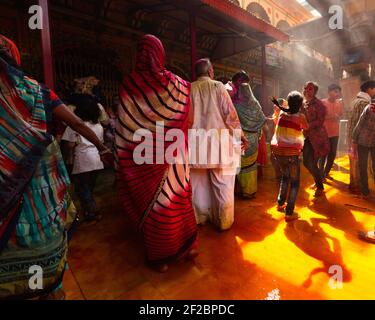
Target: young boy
(86,163)
(334,113)
(287,145)
(275,119)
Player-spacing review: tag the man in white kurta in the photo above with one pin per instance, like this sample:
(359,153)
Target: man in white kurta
(214,161)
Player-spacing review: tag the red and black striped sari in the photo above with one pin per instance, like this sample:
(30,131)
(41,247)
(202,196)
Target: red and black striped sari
(156,197)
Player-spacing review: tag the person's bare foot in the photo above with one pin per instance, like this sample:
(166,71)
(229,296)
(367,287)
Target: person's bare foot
(158,267)
(281,208)
(192,255)
(161,268)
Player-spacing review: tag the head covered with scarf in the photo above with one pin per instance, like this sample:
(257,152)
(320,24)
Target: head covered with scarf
(151,93)
(248,109)
(9,48)
(150,55)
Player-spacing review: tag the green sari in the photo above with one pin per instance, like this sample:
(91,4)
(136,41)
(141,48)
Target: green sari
(252,121)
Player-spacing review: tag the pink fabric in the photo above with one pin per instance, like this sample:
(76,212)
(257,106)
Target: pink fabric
(334,112)
(262,151)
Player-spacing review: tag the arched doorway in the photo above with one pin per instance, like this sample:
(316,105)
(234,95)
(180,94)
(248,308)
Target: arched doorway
(283,25)
(257,10)
(236,2)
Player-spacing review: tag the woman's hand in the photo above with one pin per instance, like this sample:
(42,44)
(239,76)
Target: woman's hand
(244,144)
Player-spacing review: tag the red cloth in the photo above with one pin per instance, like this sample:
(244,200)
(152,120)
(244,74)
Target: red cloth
(262,151)
(156,197)
(315,112)
(10,48)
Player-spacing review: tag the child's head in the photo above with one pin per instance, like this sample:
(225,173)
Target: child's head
(295,102)
(240,78)
(86,108)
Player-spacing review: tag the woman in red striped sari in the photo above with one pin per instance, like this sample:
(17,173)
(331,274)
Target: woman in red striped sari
(156,197)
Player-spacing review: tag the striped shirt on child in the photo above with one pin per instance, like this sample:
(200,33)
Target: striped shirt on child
(288,139)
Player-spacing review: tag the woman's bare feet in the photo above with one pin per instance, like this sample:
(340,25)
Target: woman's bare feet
(163,268)
(158,267)
(192,255)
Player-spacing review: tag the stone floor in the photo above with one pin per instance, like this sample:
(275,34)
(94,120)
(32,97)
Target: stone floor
(260,257)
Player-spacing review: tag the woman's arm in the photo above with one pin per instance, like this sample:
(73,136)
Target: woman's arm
(304,123)
(64,114)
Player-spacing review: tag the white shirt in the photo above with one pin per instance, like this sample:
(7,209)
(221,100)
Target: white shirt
(86,155)
(212,111)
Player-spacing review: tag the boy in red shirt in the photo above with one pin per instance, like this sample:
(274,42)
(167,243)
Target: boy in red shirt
(287,145)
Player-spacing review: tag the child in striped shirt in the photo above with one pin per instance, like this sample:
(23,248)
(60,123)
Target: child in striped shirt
(287,145)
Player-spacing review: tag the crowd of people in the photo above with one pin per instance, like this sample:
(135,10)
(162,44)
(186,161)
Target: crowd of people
(166,201)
